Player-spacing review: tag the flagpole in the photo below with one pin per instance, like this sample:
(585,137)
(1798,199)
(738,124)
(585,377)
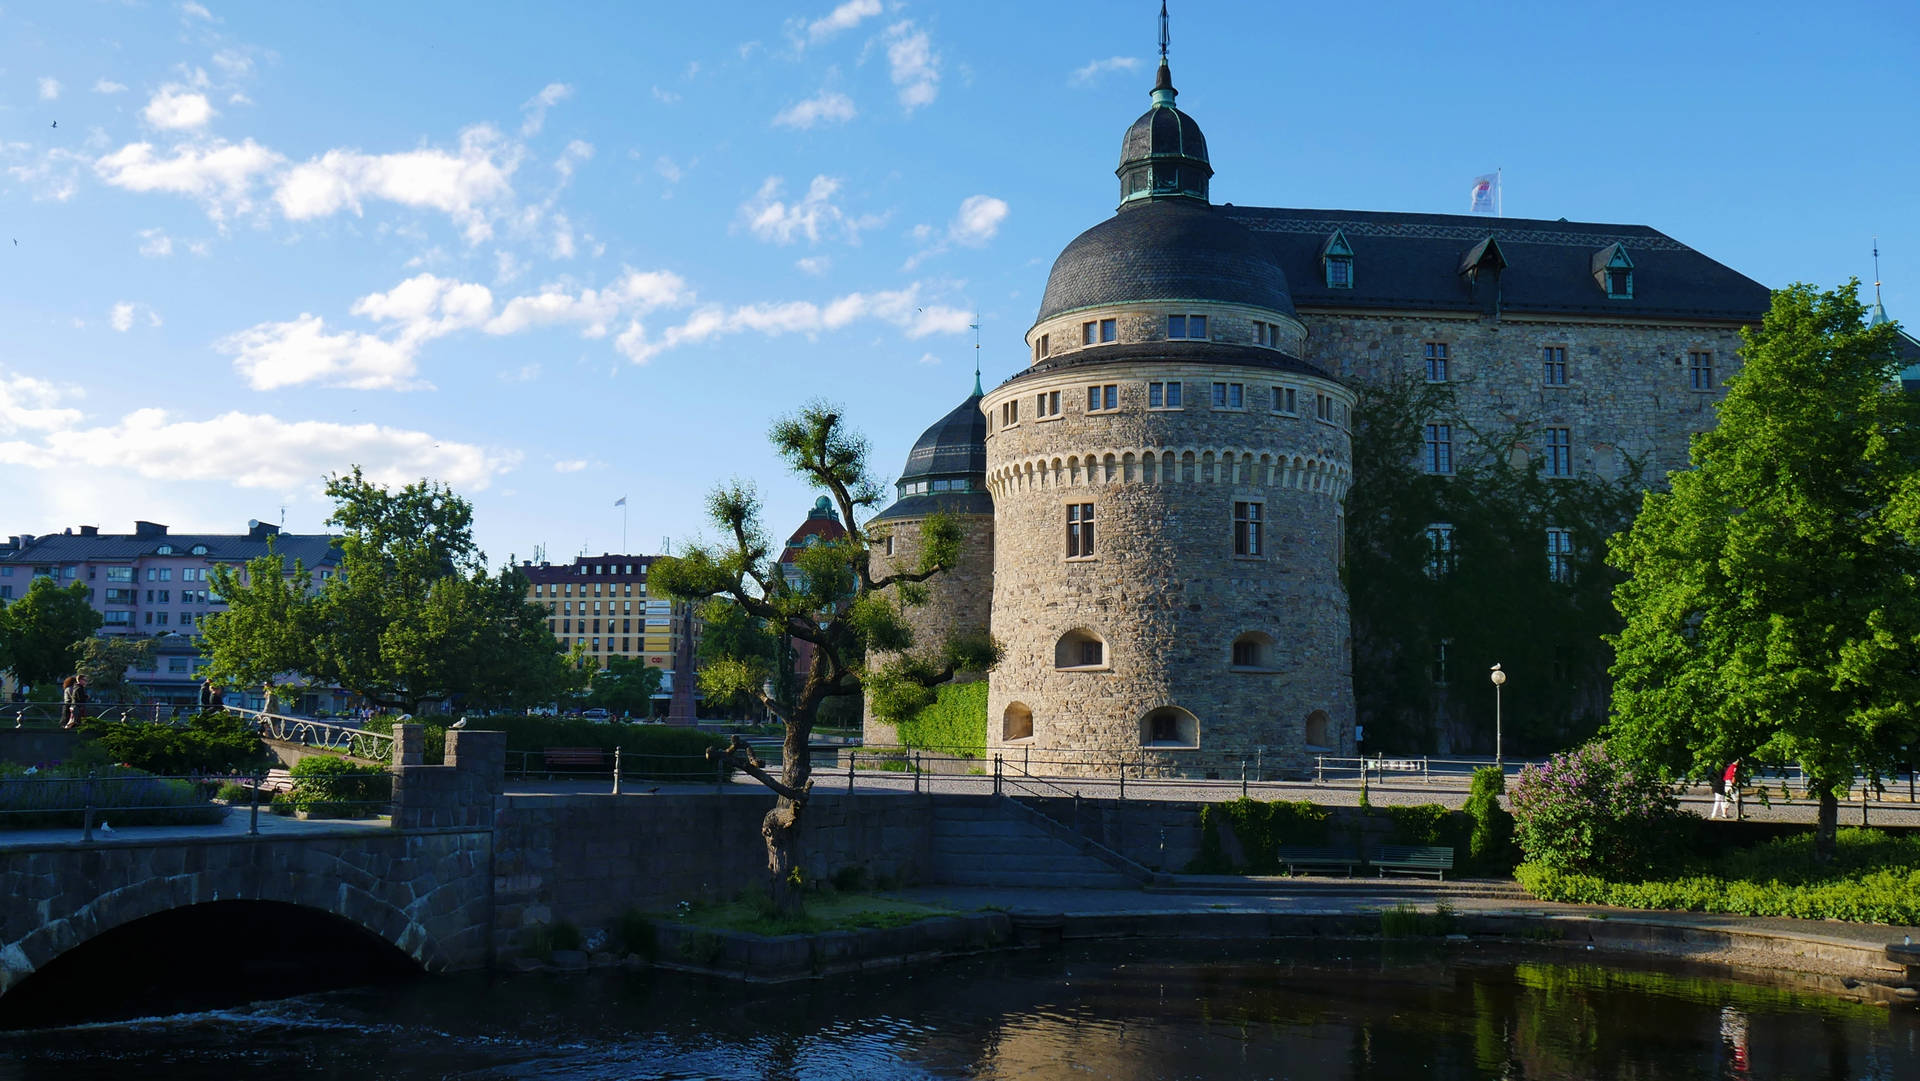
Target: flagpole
(1499,192)
(623,525)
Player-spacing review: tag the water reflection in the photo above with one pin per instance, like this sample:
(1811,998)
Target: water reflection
(1129,1014)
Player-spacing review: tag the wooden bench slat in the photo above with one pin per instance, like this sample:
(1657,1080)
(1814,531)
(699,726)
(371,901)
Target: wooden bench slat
(1296,857)
(1413,859)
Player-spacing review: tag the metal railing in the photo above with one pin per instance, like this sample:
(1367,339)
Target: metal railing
(92,802)
(344,739)
(53,714)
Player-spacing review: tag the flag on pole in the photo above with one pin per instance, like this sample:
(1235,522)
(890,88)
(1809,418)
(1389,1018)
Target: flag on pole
(1486,195)
(621,502)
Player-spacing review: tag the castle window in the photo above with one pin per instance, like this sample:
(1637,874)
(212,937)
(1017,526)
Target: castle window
(1553,365)
(1079,530)
(1009,413)
(1169,726)
(1047,404)
(1700,370)
(1318,734)
(1080,648)
(1042,347)
(1613,271)
(1336,260)
(1267,334)
(1187,326)
(1436,357)
(1286,400)
(1246,529)
(889,544)
(1560,555)
(1099,330)
(1163,395)
(1253,650)
(1229,396)
(1559,452)
(1017,722)
(1103,398)
(1441,670)
(1323,407)
(1439,549)
(1439,448)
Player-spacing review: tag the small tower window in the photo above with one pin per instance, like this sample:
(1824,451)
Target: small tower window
(1336,259)
(1187,326)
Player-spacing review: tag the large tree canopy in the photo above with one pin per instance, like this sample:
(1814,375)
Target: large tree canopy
(411,616)
(1772,608)
(1449,574)
(836,603)
(41,633)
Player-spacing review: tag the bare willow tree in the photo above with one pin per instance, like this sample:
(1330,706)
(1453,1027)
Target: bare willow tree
(835,603)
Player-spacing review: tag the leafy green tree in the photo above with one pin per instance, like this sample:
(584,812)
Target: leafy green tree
(411,616)
(625,685)
(44,630)
(837,604)
(104,661)
(1430,616)
(1771,605)
(729,633)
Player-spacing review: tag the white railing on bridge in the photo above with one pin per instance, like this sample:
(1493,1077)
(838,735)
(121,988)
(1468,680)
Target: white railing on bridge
(345,739)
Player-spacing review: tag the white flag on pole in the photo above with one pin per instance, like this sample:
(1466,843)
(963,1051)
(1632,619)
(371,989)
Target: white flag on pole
(621,502)
(1486,195)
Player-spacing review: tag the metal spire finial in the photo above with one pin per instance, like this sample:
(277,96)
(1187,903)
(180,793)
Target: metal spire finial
(977,392)
(1876,270)
(1163,31)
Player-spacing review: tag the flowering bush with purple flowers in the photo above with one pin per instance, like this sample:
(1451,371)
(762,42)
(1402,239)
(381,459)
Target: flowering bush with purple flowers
(1591,812)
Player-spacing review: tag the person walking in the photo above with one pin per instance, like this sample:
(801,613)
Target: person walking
(66,700)
(79,708)
(1724,796)
(206,695)
(267,703)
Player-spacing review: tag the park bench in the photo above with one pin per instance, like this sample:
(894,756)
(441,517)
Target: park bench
(1435,860)
(574,760)
(1302,859)
(275,780)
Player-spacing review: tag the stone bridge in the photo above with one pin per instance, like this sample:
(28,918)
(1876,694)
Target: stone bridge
(425,886)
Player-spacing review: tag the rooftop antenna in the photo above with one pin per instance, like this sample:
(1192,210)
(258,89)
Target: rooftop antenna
(1876,273)
(976,352)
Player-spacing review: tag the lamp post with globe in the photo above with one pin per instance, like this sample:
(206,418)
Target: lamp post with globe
(1499,678)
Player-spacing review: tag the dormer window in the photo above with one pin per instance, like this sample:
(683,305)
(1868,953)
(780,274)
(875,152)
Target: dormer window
(1613,271)
(1336,259)
(199,549)
(164,550)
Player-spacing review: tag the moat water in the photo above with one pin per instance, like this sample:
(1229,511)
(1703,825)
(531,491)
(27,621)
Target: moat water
(1186,1011)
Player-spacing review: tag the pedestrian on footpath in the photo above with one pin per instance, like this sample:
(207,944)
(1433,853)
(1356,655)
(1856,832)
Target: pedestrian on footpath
(67,686)
(1724,796)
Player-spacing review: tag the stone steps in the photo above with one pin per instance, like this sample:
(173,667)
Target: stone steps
(982,841)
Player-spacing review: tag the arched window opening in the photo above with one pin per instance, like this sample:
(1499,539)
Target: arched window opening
(1254,651)
(1319,734)
(1080,648)
(1169,726)
(1016,722)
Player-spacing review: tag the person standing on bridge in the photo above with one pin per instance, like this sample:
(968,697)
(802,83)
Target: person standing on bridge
(267,703)
(66,700)
(207,695)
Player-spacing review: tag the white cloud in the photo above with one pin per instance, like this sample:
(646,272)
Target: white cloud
(1096,68)
(536,107)
(666,97)
(174,107)
(108,86)
(826,107)
(526,373)
(576,151)
(275,355)
(914,65)
(978,220)
(219,174)
(49,88)
(54,175)
(28,404)
(772,218)
(125,313)
(195,10)
(668,169)
(235,63)
(155,243)
(929,358)
(572,465)
(463,186)
(900,308)
(815,265)
(594,310)
(845,17)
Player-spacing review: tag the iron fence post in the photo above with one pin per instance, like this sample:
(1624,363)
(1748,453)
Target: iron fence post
(1123,778)
(719,773)
(996,773)
(1161,863)
(1260,762)
(916,773)
(1243,778)
(86,814)
(853,759)
(1319,768)
(616,770)
(253,807)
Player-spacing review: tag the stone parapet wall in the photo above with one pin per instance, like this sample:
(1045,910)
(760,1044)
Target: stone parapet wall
(1230,324)
(457,795)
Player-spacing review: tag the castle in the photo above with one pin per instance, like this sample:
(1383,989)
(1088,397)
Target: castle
(1153,508)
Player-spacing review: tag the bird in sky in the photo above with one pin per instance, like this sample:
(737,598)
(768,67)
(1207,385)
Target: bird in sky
(56,123)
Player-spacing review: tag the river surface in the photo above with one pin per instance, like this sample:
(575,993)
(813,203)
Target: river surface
(1178,1012)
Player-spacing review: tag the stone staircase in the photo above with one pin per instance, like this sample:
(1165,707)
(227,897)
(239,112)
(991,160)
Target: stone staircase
(991,841)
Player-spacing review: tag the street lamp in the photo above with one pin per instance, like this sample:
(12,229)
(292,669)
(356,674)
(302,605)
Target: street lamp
(1499,680)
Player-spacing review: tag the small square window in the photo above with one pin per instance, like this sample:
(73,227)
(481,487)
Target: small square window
(1187,326)
(1229,396)
(1103,398)
(1163,395)
(1559,451)
(1553,366)
(1285,400)
(1109,329)
(1089,332)
(1700,370)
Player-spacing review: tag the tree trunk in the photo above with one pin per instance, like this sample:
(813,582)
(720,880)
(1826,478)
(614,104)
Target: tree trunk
(1829,826)
(781,830)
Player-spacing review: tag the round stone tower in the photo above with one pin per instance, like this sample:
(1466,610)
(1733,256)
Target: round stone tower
(1167,480)
(945,471)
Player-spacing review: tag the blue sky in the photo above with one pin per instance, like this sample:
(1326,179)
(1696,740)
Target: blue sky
(556,257)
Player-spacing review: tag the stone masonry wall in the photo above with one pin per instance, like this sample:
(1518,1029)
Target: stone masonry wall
(958,601)
(586,860)
(1628,391)
(1164,590)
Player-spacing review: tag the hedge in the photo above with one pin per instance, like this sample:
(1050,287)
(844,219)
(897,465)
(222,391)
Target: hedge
(212,742)
(956,722)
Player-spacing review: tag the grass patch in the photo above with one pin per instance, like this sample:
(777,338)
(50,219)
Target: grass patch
(956,722)
(837,912)
(1406,921)
(1874,878)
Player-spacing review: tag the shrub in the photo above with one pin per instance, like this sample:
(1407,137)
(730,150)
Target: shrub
(1586,811)
(212,742)
(955,723)
(234,793)
(1261,828)
(58,796)
(1424,824)
(329,787)
(1490,847)
(1406,921)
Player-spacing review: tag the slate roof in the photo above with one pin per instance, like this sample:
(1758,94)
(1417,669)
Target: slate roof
(1412,261)
(977,501)
(954,447)
(1175,249)
(315,548)
(1180,352)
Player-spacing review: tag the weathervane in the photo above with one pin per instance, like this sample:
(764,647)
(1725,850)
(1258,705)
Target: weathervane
(975,325)
(1876,270)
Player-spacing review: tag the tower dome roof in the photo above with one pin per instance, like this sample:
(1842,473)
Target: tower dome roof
(1163,155)
(1166,250)
(947,467)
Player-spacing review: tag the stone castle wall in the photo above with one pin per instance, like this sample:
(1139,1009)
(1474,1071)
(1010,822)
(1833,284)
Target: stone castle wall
(959,600)
(1628,392)
(1164,590)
